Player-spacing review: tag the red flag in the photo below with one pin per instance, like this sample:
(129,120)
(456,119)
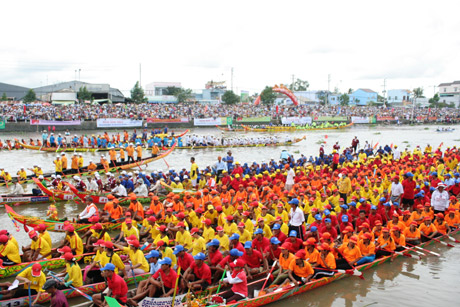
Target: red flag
(277,109)
(24,109)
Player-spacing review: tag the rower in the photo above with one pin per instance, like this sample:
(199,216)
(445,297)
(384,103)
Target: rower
(79,184)
(300,271)
(95,233)
(427,230)
(89,211)
(72,274)
(38,249)
(367,248)
(17,189)
(9,252)
(58,298)
(139,264)
(255,261)
(117,286)
(167,279)
(34,277)
(143,288)
(326,262)
(350,253)
(385,244)
(198,275)
(73,240)
(238,279)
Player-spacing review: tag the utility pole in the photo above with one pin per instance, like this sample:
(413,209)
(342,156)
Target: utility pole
(231,80)
(292,84)
(79,71)
(140,75)
(384,92)
(328,88)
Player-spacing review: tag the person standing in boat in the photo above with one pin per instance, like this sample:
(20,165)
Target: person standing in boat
(90,211)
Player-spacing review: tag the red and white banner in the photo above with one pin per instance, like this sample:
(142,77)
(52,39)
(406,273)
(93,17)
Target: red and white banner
(118,122)
(167,120)
(42,122)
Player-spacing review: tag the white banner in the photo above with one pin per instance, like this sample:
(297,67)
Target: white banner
(207,121)
(162,301)
(118,122)
(360,120)
(296,120)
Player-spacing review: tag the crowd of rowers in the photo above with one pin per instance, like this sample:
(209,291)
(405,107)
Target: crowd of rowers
(311,220)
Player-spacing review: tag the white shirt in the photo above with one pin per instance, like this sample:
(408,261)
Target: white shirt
(141,191)
(296,217)
(396,189)
(440,201)
(88,212)
(290,177)
(17,190)
(92,186)
(120,190)
(396,154)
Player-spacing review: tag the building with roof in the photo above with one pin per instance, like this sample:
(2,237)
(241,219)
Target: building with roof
(13,92)
(400,97)
(65,91)
(450,92)
(363,97)
(157,92)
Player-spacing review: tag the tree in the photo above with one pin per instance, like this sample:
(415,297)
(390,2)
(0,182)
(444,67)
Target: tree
(137,94)
(322,97)
(344,99)
(183,95)
(418,92)
(267,96)
(30,96)
(229,97)
(83,94)
(299,85)
(171,90)
(434,100)
(4,97)
(350,91)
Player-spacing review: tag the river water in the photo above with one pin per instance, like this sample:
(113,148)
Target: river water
(405,282)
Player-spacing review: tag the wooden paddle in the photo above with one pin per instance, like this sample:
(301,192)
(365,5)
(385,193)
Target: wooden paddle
(266,279)
(425,250)
(443,243)
(175,287)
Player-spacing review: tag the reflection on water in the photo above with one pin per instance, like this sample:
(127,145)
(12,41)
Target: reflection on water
(405,282)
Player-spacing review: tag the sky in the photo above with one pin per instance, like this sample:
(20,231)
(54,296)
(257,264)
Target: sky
(357,43)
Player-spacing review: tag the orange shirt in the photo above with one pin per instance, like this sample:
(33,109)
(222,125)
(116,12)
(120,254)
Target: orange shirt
(407,223)
(74,163)
(417,216)
(367,249)
(313,257)
(157,208)
(441,227)
(386,244)
(429,213)
(351,255)
(122,153)
(284,263)
(304,271)
(108,206)
(427,230)
(178,206)
(411,235)
(452,221)
(116,213)
(137,206)
(130,151)
(399,241)
(400,224)
(113,155)
(139,151)
(329,261)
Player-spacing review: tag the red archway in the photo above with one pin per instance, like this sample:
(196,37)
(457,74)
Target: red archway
(283,90)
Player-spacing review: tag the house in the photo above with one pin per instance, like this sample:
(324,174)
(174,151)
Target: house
(450,92)
(363,96)
(399,97)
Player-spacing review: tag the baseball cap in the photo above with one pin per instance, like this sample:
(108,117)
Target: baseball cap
(108,267)
(152,254)
(199,256)
(178,249)
(165,260)
(36,269)
(236,253)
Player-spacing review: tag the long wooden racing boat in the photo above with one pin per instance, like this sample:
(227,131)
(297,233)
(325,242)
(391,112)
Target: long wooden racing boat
(227,129)
(289,291)
(296,140)
(101,170)
(100,199)
(57,226)
(293,128)
(85,149)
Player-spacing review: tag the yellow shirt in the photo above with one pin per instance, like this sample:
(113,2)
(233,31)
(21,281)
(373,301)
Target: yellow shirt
(11,251)
(249,226)
(46,236)
(76,243)
(137,257)
(75,275)
(230,229)
(133,231)
(194,171)
(198,246)
(44,247)
(184,239)
(224,242)
(169,253)
(36,283)
(116,261)
(245,236)
(208,234)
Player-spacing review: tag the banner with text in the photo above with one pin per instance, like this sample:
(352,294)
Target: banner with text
(42,122)
(296,120)
(118,122)
(330,118)
(384,118)
(167,120)
(210,121)
(360,120)
(162,301)
(262,119)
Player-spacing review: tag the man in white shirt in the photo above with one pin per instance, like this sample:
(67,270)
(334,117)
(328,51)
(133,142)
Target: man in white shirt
(396,154)
(289,177)
(296,218)
(92,185)
(141,189)
(119,190)
(440,199)
(17,190)
(397,190)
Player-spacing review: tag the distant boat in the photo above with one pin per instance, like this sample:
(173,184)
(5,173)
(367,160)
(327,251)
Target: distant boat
(445,129)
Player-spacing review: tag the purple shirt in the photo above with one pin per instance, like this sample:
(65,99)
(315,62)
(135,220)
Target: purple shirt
(59,300)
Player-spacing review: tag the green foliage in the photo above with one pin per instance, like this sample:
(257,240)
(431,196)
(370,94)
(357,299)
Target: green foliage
(83,94)
(229,97)
(182,95)
(434,100)
(30,96)
(322,96)
(137,94)
(4,98)
(344,99)
(418,92)
(267,96)
(299,85)
(350,91)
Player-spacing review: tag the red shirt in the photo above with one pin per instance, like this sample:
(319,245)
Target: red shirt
(281,236)
(169,280)
(273,254)
(225,261)
(260,245)
(118,287)
(253,261)
(239,247)
(203,272)
(296,245)
(185,261)
(332,231)
(373,218)
(215,258)
(359,221)
(409,189)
